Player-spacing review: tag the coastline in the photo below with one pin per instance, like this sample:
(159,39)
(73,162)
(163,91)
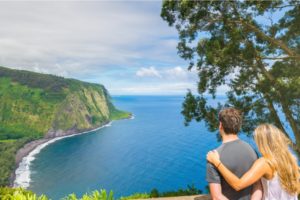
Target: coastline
(25,155)
(20,177)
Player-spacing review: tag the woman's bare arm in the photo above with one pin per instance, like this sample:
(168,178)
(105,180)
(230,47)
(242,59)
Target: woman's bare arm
(257,191)
(258,170)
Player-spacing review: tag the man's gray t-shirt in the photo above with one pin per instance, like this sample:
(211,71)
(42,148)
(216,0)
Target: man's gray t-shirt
(238,156)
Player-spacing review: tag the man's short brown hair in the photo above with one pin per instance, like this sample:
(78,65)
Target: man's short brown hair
(231,120)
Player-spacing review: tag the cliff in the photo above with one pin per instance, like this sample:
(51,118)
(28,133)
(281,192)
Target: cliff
(35,106)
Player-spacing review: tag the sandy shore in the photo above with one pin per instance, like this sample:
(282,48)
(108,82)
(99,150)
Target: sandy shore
(26,154)
(25,150)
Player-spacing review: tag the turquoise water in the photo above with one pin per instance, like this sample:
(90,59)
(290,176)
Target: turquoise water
(153,150)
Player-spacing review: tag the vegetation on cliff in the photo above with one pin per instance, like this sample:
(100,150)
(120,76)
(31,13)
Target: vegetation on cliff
(34,105)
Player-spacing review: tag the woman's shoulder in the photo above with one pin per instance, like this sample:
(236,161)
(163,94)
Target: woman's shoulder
(261,161)
(265,163)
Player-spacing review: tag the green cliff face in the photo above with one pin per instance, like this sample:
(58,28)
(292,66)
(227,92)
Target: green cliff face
(34,105)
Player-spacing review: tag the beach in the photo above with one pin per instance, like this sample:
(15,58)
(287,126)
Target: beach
(21,176)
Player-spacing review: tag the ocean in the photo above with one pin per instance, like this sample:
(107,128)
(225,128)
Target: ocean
(152,150)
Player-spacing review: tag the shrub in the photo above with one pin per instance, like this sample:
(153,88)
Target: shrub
(191,190)
(154,193)
(95,195)
(136,196)
(19,194)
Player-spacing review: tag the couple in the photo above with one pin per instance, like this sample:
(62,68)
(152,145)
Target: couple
(235,172)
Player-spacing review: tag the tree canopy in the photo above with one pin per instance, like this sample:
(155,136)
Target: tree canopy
(253,47)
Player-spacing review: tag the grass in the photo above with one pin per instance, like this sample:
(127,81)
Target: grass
(7,141)
(120,115)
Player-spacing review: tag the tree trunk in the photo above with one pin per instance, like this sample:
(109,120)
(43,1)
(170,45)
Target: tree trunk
(285,107)
(292,123)
(274,115)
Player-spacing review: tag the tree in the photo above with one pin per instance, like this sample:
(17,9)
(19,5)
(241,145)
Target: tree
(251,46)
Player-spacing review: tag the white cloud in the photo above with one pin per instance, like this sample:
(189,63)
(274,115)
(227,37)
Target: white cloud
(177,72)
(148,72)
(161,80)
(159,89)
(83,38)
(167,73)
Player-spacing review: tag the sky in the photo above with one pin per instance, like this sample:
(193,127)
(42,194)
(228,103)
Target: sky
(126,46)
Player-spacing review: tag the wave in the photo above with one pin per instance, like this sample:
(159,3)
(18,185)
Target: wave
(23,171)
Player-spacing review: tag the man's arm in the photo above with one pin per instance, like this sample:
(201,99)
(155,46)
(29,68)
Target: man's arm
(216,192)
(214,180)
(257,191)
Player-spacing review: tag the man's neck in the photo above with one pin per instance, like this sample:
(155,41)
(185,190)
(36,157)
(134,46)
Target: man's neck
(229,137)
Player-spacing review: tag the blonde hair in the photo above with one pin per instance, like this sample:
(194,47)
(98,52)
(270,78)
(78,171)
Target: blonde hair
(274,146)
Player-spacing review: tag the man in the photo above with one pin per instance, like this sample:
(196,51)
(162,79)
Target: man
(235,154)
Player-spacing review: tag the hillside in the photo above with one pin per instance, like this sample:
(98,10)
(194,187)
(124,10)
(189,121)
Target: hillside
(34,106)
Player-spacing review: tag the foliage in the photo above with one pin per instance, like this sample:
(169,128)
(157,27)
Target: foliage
(154,193)
(7,193)
(114,115)
(95,195)
(33,104)
(35,80)
(191,190)
(136,196)
(7,158)
(19,194)
(25,112)
(253,47)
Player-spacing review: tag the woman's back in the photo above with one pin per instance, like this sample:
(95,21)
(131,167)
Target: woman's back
(274,191)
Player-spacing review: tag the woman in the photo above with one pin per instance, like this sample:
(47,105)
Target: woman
(277,168)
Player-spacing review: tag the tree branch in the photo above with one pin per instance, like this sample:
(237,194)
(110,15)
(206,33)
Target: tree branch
(278,58)
(274,42)
(262,35)
(280,7)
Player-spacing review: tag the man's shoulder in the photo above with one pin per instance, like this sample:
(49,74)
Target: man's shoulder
(236,147)
(238,142)
(246,145)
